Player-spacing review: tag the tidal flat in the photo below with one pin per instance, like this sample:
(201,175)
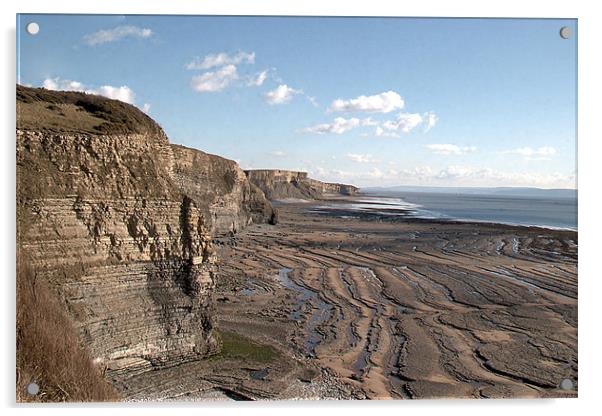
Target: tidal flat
(345,306)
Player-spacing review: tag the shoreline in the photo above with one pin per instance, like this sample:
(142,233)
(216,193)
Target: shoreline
(407,214)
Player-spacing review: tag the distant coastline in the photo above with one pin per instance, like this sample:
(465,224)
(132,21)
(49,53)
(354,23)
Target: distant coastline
(502,190)
(551,210)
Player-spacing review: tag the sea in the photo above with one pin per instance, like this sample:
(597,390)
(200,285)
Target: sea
(553,210)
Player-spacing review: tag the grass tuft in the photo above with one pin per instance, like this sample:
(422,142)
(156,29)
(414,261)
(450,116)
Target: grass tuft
(39,109)
(48,348)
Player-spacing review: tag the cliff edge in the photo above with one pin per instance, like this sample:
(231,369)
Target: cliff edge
(222,191)
(286,184)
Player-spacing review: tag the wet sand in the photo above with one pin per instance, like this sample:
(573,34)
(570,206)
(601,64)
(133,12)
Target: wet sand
(389,307)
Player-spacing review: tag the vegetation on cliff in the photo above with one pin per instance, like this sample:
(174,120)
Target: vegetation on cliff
(78,112)
(49,351)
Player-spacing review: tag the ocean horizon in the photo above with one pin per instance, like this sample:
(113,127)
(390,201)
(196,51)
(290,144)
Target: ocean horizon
(554,209)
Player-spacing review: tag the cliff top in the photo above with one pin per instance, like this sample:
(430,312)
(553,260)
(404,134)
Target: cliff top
(39,109)
(276,172)
(292,173)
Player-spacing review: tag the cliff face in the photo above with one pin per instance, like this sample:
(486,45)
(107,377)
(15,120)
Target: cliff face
(221,189)
(283,184)
(105,224)
(326,188)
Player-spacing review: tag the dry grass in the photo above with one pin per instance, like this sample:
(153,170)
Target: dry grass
(48,349)
(77,112)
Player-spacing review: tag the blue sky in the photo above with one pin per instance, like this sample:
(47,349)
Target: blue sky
(368,101)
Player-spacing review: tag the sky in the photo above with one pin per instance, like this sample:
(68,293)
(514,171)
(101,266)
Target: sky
(365,101)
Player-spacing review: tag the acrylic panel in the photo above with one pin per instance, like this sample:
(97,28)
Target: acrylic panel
(274,208)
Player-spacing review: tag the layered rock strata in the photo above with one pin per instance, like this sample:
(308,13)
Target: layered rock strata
(119,223)
(284,184)
(221,189)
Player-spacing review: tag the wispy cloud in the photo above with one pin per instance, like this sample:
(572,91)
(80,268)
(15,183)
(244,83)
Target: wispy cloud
(282,94)
(449,176)
(361,158)
(386,102)
(430,120)
(339,125)
(115,34)
(405,123)
(221,59)
(123,93)
(312,100)
(225,73)
(479,176)
(214,81)
(380,103)
(277,153)
(451,149)
(258,79)
(380,132)
(528,153)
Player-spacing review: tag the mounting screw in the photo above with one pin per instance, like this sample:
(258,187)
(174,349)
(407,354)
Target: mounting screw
(565,32)
(32,28)
(33,389)
(566,384)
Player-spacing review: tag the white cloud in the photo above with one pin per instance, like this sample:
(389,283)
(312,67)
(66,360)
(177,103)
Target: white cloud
(380,132)
(281,95)
(226,72)
(449,176)
(221,59)
(115,34)
(380,103)
(123,93)
(451,149)
(340,125)
(258,79)
(146,108)
(215,80)
(430,119)
(541,153)
(361,158)
(490,177)
(57,84)
(369,122)
(277,153)
(405,122)
(338,175)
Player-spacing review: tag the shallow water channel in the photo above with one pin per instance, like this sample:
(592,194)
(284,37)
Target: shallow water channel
(309,303)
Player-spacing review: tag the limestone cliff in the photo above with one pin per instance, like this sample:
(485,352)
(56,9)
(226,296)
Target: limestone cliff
(284,184)
(119,223)
(326,188)
(221,190)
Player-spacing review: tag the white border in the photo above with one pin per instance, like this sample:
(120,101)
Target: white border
(589,183)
